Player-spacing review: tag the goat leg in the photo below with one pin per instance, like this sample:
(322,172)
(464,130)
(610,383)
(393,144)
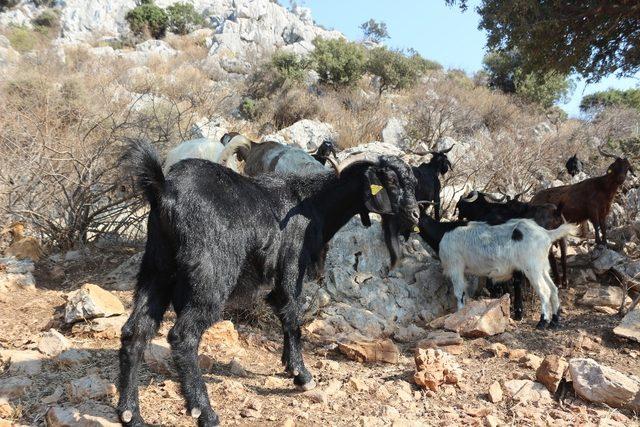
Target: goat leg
(518,304)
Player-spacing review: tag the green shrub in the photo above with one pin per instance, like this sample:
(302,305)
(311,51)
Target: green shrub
(48,18)
(147,18)
(338,61)
(611,98)
(183,18)
(543,89)
(290,66)
(394,69)
(248,109)
(23,39)
(423,64)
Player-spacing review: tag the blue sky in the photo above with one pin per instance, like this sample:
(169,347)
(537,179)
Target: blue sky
(436,31)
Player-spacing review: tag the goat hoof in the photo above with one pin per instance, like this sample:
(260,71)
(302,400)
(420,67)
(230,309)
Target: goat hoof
(308,386)
(517,315)
(126,417)
(195,413)
(541,324)
(555,322)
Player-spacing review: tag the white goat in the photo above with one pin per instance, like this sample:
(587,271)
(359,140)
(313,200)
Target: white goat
(496,252)
(202,148)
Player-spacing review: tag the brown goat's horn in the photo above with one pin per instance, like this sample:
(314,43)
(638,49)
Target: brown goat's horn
(604,153)
(334,164)
(523,192)
(471,197)
(447,150)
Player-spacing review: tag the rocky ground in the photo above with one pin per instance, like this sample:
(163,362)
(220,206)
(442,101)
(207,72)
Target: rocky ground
(59,369)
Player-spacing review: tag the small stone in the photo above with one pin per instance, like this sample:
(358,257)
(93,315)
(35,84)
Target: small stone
(53,343)
(6,411)
(289,422)
(371,351)
(317,396)
(498,349)
(89,387)
(73,357)
(101,327)
(531,361)
(602,384)
(516,353)
(492,421)
(53,397)
(22,362)
(358,384)
(390,412)
(629,327)
(480,318)
(495,392)
(527,391)
(86,414)
(14,387)
(551,371)
(440,338)
(608,296)
(91,301)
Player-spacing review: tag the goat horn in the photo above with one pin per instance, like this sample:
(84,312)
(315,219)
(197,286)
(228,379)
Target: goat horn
(524,191)
(358,158)
(334,164)
(604,153)
(447,150)
(473,196)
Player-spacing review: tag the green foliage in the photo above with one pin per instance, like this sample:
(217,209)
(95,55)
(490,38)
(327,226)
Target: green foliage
(48,18)
(591,38)
(423,64)
(611,98)
(22,39)
(183,18)
(338,62)
(290,66)
(505,72)
(395,70)
(147,18)
(248,109)
(375,30)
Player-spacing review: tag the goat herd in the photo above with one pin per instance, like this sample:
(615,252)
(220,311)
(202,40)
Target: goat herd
(213,232)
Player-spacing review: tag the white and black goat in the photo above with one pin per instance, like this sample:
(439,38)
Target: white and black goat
(213,232)
(497,251)
(271,156)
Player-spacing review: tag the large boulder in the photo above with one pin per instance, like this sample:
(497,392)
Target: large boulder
(601,384)
(607,296)
(16,273)
(306,134)
(360,295)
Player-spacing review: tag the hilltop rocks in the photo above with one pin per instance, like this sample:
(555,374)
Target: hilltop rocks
(629,327)
(91,301)
(480,318)
(551,371)
(602,384)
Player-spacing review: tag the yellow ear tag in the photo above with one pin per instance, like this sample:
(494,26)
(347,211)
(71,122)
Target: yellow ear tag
(416,229)
(608,170)
(375,189)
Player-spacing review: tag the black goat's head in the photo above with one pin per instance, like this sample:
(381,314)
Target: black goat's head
(548,215)
(389,187)
(227,137)
(326,149)
(441,161)
(619,168)
(574,165)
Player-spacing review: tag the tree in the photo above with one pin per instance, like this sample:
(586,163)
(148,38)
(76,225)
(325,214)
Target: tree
(375,31)
(395,70)
(338,62)
(148,18)
(593,38)
(597,101)
(506,73)
(183,18)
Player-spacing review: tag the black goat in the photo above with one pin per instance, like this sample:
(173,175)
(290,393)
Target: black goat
(326,149)
(574,165)
(212,231)
(478,206)
(427,190)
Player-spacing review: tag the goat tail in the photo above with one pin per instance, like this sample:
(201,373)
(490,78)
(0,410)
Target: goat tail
(238,145)
(146,166)
(563,231)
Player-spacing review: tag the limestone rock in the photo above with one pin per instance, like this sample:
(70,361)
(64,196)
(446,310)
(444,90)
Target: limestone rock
(158,357)
(73,357)
(91,301)
(87,414)
(435,367)
(370,351)
(22,362)
(14,387)
(551,371)
(495,392)
(602,384)
(89,387)
(607,296)
(308,134)
(527,391)
(53,343)
(101,327)
(604,259)
(440,339)
(629,327)
(16,274)
(480,318)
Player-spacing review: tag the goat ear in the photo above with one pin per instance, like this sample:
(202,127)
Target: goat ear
(376,198)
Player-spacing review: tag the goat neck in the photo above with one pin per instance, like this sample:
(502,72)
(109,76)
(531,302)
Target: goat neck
(433,231)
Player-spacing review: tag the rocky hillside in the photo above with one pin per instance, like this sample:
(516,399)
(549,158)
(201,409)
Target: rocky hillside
(383,345)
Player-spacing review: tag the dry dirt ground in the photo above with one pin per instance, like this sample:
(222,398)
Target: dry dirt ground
(358,394)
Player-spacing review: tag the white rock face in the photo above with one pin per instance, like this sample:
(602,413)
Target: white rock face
(382,148)
(16,273)
(359,297)
(602,384)
(306,134)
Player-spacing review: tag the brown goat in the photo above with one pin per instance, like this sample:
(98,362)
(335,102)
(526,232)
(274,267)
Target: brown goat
(589,199)
(22,247)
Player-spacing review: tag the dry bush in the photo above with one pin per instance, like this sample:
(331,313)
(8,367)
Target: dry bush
(290,106)
(63,127)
